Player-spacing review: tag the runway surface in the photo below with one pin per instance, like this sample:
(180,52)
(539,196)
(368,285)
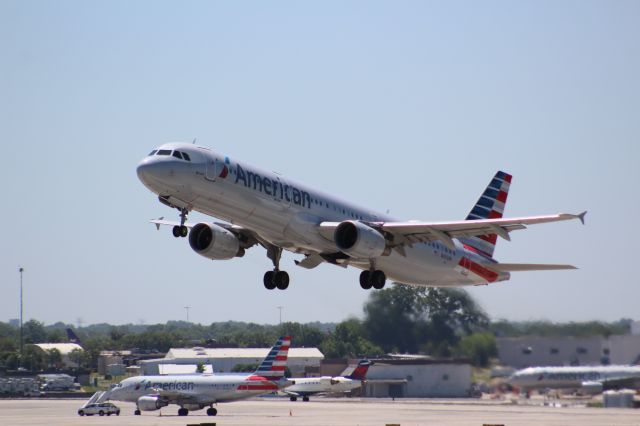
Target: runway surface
(324,412)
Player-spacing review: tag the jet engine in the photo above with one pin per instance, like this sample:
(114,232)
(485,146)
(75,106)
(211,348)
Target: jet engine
(591,388)
(214,242)
(359,240)
(150,403)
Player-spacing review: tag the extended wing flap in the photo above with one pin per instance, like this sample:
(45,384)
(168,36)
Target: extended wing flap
(518,267)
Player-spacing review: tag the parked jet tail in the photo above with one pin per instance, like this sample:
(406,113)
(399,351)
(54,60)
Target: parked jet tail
(273,366)
(361,370)
(72,337)
(490,205)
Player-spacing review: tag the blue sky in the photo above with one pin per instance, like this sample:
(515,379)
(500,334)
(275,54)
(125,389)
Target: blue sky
(406,106)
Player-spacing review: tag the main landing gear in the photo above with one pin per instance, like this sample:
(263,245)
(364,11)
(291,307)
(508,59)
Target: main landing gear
(183,412)
(211,411)
(181,231)
(275,278)
(374,278)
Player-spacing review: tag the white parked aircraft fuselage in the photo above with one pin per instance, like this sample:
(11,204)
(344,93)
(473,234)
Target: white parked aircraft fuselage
(287,214)
(324,384)
(574,377)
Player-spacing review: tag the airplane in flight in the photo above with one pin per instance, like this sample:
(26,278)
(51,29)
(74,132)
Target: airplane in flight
(307,386)
(590,379)
(195,392)
(265,208)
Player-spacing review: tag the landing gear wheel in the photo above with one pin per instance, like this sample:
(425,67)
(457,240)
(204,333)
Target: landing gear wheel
(293,398)
(275,278)
(305,398)
(365,280)
(176,231)
(269,281)
(211,411)
(281,279)
(378,279)
(183,412)
(136,413)
(183,231)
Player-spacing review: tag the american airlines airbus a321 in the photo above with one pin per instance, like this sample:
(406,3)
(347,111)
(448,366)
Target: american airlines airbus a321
(265,208)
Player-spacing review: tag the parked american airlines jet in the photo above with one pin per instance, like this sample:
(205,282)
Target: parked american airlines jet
(277,213)
(197,391)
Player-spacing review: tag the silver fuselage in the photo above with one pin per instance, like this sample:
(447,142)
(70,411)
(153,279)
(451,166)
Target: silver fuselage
(287,214)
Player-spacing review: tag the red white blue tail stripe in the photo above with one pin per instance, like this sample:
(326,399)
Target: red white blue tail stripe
(273,366)
(489,206)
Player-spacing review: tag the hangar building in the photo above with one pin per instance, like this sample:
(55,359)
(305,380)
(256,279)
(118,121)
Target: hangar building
(65,350)
(418,378)
(223,360)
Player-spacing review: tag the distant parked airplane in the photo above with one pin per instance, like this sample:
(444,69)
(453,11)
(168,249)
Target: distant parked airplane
(266,208)
(589,379)
(195,392)
(307,386)
(73,338)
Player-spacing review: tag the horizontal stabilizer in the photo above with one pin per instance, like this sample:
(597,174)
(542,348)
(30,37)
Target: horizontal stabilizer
(518,267)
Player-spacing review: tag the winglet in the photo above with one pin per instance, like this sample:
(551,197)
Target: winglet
(157,224)
(581,216)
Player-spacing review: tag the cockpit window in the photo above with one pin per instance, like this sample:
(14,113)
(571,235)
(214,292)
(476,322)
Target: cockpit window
(152,152)
(164,152)
(186,156)
(177,154)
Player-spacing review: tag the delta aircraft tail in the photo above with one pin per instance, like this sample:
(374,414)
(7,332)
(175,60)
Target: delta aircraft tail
(273,366)
(490,205)
(72,337)
(360,372)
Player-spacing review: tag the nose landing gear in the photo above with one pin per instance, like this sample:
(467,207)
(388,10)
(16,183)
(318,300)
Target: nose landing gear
(181,231)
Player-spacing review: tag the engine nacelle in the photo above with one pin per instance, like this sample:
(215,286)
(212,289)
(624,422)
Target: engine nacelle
(150,403)
(214,242)
(591,388)
(359,240)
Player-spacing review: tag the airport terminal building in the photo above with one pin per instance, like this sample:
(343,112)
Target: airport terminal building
(522,352)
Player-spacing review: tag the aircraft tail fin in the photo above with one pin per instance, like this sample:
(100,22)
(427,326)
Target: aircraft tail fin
(273,366)
(490,205)
(72,337)
(360,372)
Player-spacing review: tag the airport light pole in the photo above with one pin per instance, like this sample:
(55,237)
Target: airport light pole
(21,270)
(280,309)
(187,309)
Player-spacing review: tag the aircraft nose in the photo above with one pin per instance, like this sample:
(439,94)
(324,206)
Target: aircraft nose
(144,171)
(151,171)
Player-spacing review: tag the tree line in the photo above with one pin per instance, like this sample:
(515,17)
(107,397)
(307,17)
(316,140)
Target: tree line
(400,319)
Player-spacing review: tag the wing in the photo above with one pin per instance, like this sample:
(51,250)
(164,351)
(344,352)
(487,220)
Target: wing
(408,233)
(176,397)
(519,267)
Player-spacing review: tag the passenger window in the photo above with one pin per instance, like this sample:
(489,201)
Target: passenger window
(164,152)
(186,156)
(177,154)
(152,152)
